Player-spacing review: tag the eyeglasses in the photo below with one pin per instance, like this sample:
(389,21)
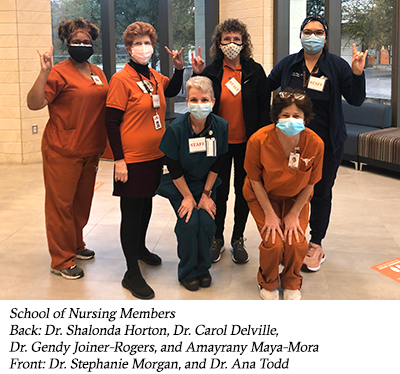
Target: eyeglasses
(288,95)
(318,33)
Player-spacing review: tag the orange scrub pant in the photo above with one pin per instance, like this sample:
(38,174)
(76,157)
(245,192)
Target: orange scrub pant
(69,184)
(271,255)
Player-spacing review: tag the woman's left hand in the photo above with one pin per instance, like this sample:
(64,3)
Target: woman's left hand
(358,61)
(292,228)
(208,205)
(176,57)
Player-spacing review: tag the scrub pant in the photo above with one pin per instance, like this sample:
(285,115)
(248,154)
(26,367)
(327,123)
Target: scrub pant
(194,241)
(69,184)
(321,202)
(271,255)
(236,153)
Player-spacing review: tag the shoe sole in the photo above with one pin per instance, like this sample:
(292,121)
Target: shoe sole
(220,255)
(239,262)
(65,276)
(135,294)
(264,298)
(305,267)
(79,257)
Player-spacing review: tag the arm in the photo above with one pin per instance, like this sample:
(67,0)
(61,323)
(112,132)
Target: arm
(272,223)
(206,202)
(291,220)
(188,202)
(113,121)
(36,96)
(175,84)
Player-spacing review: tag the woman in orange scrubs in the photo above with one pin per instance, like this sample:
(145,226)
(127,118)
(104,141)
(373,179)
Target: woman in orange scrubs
(283,162)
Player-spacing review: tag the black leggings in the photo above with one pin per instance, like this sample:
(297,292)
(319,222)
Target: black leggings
(135,218)
(241,210)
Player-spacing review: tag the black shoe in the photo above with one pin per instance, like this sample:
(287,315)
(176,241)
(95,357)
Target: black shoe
(73,272)
(149,258)
(239,254)
(216,249)
(86,254)
(205,280)
(138,286)
(191,284)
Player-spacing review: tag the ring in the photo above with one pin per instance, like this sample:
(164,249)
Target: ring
(268,229)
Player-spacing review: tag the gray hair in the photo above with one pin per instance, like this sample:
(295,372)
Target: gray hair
(201,83)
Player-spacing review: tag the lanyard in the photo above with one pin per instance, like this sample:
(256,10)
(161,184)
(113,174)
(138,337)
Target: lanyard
(305,81)
(145,85)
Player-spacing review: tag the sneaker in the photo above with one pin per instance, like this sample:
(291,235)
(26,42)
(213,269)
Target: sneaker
(86,254)
(314,258)
(216,249)
(73,272)
(149,258)
(191,284)
(138,287)
(291,295)
(269,295)
(239,254)
(205,280)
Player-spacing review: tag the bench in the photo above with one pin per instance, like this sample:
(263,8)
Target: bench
(366,118)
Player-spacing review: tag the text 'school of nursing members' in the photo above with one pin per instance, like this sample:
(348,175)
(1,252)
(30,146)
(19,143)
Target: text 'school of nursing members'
(285,157)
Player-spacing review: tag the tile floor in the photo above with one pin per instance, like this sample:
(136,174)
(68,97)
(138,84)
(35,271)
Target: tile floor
(364,231)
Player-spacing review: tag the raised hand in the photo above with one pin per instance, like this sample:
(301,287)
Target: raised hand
(358,61)
(198,63)
(46,59)
(176,57)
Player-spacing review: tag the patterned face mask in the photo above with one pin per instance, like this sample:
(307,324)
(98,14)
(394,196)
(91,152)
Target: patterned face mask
(231,50)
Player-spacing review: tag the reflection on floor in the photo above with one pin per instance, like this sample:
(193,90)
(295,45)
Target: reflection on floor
(364,231)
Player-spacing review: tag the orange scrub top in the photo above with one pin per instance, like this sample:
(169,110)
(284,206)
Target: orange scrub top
(77,107)
(230,106)
(266,161)
(140,139)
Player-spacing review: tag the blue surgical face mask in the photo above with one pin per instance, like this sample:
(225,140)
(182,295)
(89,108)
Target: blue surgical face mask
(312,44)
(290,126)
(200,111)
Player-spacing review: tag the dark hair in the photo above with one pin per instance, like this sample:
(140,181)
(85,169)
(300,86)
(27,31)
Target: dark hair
(231,25)
(68,28)
(289,97)
(139,29)
(319,19)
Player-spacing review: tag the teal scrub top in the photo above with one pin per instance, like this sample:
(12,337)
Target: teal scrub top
(195,166)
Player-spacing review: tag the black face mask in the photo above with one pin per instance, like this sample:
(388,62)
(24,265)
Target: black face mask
(79,53)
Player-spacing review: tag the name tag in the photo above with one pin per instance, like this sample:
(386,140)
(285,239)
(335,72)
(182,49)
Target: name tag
(211,145)
(316,83)
(197,145)
(156,101)
(234,86)
(294,160)
(157,122)
(97,80)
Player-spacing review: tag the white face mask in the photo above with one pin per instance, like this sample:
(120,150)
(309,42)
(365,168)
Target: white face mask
(200,111)
(231,50)
(142,53)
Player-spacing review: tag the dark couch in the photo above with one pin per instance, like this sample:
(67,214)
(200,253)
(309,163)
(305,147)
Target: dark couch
(364,118)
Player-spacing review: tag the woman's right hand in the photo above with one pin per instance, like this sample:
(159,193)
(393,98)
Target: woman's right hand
(46,60)
(186,208)
(272,225)
(121,171)
(198,63)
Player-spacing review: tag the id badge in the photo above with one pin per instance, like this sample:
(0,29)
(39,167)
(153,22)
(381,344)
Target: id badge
(157,122)
(294,160)
(156,101)
(211,145)
(197,145)
(234,86)
(97,80)
(165,169)
(316,84)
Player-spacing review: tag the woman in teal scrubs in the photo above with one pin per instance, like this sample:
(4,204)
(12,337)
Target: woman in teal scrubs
(194,146)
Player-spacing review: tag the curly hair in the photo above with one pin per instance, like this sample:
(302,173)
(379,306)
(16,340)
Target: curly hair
(231,25)
(68,28)
(139,29)
(304,104)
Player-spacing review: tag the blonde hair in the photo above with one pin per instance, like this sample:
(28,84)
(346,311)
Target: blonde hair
(201,83)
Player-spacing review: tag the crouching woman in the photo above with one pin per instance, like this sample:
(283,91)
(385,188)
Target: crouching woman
(194,146)
(283,162)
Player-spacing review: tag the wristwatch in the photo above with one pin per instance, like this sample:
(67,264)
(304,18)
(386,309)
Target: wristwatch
(207,192)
